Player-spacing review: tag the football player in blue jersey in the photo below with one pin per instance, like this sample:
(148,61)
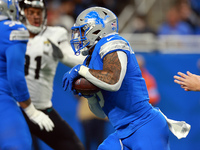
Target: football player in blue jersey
(112,66)
(14,132)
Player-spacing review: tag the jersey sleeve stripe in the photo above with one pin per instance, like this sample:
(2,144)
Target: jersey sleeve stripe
(18,35)
(113,45)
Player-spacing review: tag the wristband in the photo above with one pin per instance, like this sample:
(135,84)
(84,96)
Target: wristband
(83,70)
(30,109)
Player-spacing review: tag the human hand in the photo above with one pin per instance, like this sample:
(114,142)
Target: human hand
(38,117)
(69,77)
(189,81)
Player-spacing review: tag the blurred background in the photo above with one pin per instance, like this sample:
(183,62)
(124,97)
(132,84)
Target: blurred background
(165,35)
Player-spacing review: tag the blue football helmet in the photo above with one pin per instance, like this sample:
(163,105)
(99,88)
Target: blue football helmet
(9,9)
(91,25)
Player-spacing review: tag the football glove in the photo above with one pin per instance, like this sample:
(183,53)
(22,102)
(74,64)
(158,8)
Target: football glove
(38,117)
(69,77)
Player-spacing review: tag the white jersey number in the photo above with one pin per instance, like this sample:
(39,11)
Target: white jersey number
(38,66)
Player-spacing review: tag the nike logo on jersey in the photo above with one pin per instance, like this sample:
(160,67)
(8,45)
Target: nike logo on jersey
(109,38)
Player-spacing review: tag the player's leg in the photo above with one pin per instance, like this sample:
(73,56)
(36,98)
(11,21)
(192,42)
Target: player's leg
(99,130)
(152,136)
(14,132)
(94,130)
(61,138)
(36,143)
(112,142)
(87,127)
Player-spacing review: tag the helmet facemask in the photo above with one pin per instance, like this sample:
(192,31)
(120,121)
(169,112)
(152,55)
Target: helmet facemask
(80,42)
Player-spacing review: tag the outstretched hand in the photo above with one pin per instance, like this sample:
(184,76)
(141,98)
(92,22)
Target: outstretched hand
(189,81)
(69,77)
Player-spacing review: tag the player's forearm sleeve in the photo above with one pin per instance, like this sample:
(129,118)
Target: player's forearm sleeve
(84,71)
(15,56)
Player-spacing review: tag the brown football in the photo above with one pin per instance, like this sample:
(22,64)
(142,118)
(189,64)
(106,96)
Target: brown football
(84,87)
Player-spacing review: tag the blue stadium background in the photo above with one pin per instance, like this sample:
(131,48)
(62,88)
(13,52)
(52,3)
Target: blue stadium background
(175,103)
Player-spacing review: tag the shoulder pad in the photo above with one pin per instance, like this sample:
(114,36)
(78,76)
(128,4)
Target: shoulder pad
(56,34)
(113,45)
(55,30)
(18,31)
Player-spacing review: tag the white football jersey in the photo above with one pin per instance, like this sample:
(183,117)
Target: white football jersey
(43,53)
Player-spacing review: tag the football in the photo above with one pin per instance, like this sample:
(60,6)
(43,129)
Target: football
(84,87)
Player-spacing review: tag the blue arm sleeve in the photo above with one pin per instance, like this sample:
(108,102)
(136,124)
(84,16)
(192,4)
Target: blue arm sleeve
(15,56)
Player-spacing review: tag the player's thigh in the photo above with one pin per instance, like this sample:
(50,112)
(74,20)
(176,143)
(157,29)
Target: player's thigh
(112,142)
(152,136)
(14,132)
(62,128)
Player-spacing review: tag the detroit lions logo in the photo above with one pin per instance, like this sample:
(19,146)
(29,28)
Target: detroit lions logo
(94,16)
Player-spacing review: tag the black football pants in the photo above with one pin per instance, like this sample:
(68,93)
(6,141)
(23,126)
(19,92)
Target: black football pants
(62,137)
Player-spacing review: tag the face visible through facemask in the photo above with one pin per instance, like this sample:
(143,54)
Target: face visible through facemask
(34,19)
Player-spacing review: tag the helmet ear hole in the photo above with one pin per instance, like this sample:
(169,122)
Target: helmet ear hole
(11,11)
(104,13)
(96,32)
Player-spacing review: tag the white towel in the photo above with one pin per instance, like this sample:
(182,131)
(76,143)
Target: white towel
(179,128)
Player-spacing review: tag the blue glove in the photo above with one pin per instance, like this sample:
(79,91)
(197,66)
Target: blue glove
(69,77)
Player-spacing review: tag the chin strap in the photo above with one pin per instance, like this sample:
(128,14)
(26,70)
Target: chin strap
(85,50)
(34,29)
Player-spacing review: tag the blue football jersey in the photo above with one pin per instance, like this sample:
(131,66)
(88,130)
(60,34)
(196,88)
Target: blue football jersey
(13,39)
(128,108)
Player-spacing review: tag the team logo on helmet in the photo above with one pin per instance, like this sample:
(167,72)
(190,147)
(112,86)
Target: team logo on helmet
(94,16)
(9,2)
